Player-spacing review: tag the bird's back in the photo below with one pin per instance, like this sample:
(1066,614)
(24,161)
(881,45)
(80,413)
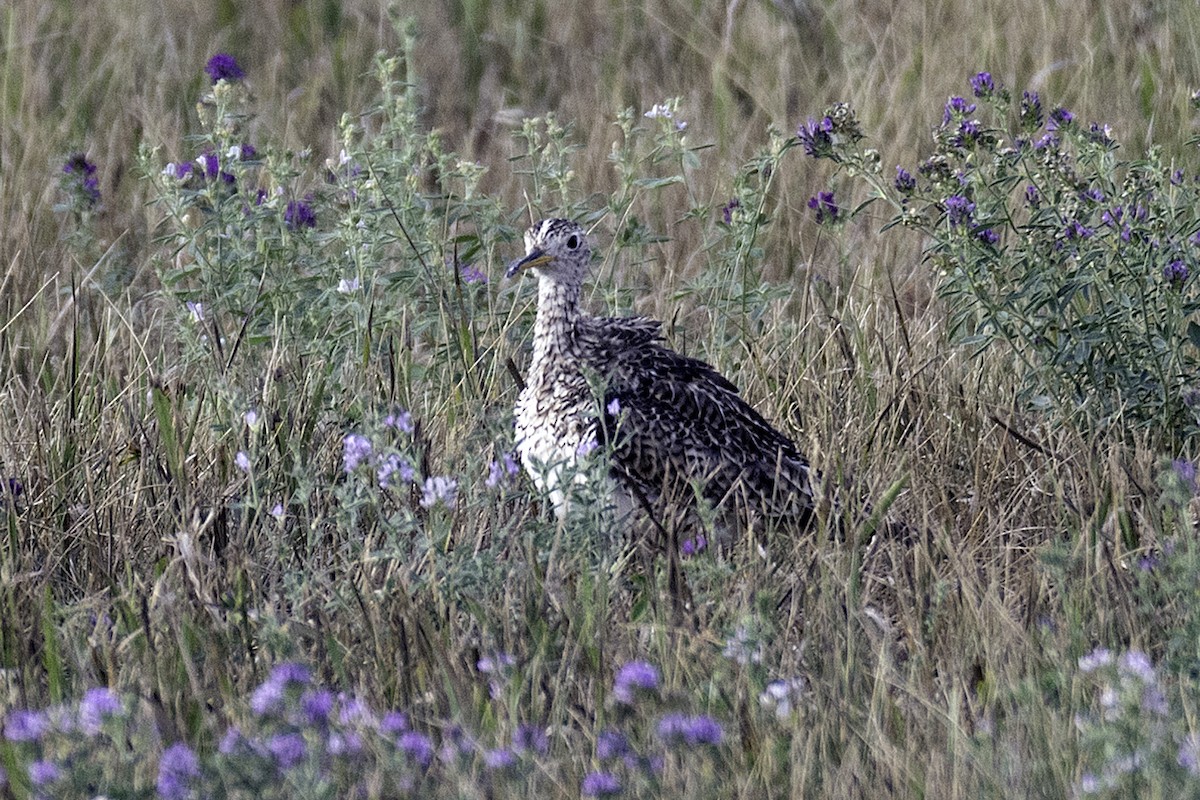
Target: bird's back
(677,427)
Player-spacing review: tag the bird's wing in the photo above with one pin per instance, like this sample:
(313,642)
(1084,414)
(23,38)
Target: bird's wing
(678,423)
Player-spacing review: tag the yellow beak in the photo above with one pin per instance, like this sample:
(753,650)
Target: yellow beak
(534,258)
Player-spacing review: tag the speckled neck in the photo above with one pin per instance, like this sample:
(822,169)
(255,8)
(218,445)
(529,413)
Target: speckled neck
(557,311)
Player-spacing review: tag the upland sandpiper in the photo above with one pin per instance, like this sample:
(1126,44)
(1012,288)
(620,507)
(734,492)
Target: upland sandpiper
(678,435)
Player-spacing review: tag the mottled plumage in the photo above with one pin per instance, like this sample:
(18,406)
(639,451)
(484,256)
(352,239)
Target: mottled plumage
(674,426)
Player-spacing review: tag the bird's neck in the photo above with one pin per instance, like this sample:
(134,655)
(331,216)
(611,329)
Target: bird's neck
(557,311)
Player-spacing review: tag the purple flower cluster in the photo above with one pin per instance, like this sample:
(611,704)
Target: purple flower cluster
(817,137)
(693,546)
(178,770)
(439,490)
(959,210)
(957,108)
(1131,724)
(982,84)
(600,784)
(1176,274)
(673,729)
(79,179)
(728,209)
(825,207)
(1031,111)
(502,470)
(271,695)
(636,677)
(223,67)
(300,214)
(905,183)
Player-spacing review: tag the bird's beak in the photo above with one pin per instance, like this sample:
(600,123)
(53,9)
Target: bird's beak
(534,258)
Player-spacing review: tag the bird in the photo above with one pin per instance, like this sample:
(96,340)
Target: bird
(679,437)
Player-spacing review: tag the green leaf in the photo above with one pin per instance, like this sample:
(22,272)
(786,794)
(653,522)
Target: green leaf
(657,183)
(1194,334)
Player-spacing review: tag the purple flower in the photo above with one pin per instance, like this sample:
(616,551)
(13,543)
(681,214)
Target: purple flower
(1093,194)
(12,486)
(43,772)
(81,177)
(1100,134)
(393,722)
(471,275)
(356,448)
(500,758)
(270,694)
(177,770)
(1098,658)
(394,465)
(1031,111)
(223,67)
(728,209)
(401,421)
(689,730)
(96,706)
(1046,142)
(354,711)
(25,726)
(417,747)
(905,183)
(1077,230)
(288,749)
(1185,471)
(502,470)
(316,705)
(1175,273)
(1137,664)
(299,214)
(210,163)
(439,490)
(987,236)
(530,738)
(959,210)
(693,546)
(816,138)
(611,744)
(634,676)
(600,784)
(1059,118)
(982,84)
(342,743)
(1189,754)
(495,664)
(179,171)
(825,206)
(956,107)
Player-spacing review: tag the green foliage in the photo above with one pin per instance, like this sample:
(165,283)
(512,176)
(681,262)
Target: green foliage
(1081,264)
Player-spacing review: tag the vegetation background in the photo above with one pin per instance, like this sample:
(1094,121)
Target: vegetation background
(944,667)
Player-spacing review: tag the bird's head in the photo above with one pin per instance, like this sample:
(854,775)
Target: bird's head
(556,249)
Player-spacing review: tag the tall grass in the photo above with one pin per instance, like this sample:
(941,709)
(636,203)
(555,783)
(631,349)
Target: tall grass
(183,365)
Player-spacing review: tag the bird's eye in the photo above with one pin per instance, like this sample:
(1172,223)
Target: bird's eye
(572,242)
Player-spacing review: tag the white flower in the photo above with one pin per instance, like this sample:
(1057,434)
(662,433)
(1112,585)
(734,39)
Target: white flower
(660,110)
(346,286)
(242,460)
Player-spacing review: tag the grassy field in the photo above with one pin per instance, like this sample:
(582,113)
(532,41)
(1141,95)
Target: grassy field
(184,359)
